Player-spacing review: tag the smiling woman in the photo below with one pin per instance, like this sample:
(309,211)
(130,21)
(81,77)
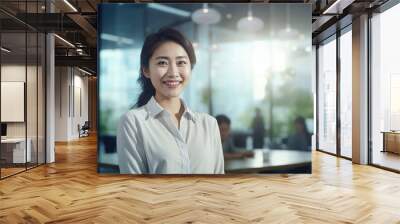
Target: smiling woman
(162,135)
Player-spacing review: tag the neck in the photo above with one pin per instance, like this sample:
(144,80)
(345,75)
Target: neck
(172,105)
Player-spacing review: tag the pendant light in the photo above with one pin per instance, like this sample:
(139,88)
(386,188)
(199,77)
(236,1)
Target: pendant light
(288,32)
(250,23)
(206,15)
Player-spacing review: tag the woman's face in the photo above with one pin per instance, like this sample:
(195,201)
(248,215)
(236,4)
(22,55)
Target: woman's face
(169,70)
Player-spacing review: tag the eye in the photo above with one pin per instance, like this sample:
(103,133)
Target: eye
(162,63)
(182,63)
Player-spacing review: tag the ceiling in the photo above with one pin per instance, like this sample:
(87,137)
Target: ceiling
(77,22)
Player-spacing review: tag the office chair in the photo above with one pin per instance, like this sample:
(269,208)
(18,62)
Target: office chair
(84,130)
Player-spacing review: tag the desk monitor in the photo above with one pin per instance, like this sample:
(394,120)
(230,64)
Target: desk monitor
(3,129)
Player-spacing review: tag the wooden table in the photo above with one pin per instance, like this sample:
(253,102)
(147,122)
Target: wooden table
(391,141)
(265,160)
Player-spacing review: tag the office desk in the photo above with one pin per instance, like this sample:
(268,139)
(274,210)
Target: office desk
(265,160)
(13,150)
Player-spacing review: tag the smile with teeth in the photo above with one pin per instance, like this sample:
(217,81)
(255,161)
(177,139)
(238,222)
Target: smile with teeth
(172,83)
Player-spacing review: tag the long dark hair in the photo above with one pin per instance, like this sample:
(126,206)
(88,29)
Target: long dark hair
(151,43)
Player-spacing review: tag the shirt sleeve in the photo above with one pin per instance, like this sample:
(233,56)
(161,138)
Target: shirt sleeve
(219,155)
(131,158)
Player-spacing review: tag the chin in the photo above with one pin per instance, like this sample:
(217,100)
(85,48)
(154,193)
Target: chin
(172,94)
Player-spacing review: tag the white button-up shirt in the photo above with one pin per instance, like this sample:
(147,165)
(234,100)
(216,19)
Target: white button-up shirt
(149,142)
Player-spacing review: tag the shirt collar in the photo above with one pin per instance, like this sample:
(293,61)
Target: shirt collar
(153,109)
(187,112)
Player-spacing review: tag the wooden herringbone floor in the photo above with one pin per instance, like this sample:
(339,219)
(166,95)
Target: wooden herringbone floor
(70,191)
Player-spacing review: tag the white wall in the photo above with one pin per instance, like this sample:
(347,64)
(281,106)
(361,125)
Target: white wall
(33,126)
(16,73)
(13,72)
(79,117)
(61,103)
(70,83)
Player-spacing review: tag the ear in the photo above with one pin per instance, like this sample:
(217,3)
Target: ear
(146,72)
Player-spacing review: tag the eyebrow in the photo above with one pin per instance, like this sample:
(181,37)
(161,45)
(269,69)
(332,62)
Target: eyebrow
(164,57)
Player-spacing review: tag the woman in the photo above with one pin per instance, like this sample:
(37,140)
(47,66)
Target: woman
(162,135)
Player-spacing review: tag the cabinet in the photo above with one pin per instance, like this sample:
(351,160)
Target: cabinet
(391,142)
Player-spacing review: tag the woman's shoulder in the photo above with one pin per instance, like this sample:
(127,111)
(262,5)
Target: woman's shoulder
(204,117)
(135,113)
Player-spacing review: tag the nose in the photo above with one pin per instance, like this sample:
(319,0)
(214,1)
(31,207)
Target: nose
(173,70)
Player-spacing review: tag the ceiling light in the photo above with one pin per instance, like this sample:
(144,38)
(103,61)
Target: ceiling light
(70,5)
(168,9)
(250,23)
(289,33)
(84,71)
(79,51)
(206,16)
(117,39)
(333,6)
(64,40)
(5,50)
(338,6)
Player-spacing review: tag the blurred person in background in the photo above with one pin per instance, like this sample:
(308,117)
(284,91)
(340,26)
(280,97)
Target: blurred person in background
(230,151)
(258,127)
(301,138)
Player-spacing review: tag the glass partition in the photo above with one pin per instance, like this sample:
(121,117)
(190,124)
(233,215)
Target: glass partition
(22,91)
(13,105)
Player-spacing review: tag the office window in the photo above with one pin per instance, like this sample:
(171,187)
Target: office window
(327,96)
(385,84)
(346,94)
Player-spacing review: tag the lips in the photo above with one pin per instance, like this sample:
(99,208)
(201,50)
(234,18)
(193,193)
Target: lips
(172,83)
